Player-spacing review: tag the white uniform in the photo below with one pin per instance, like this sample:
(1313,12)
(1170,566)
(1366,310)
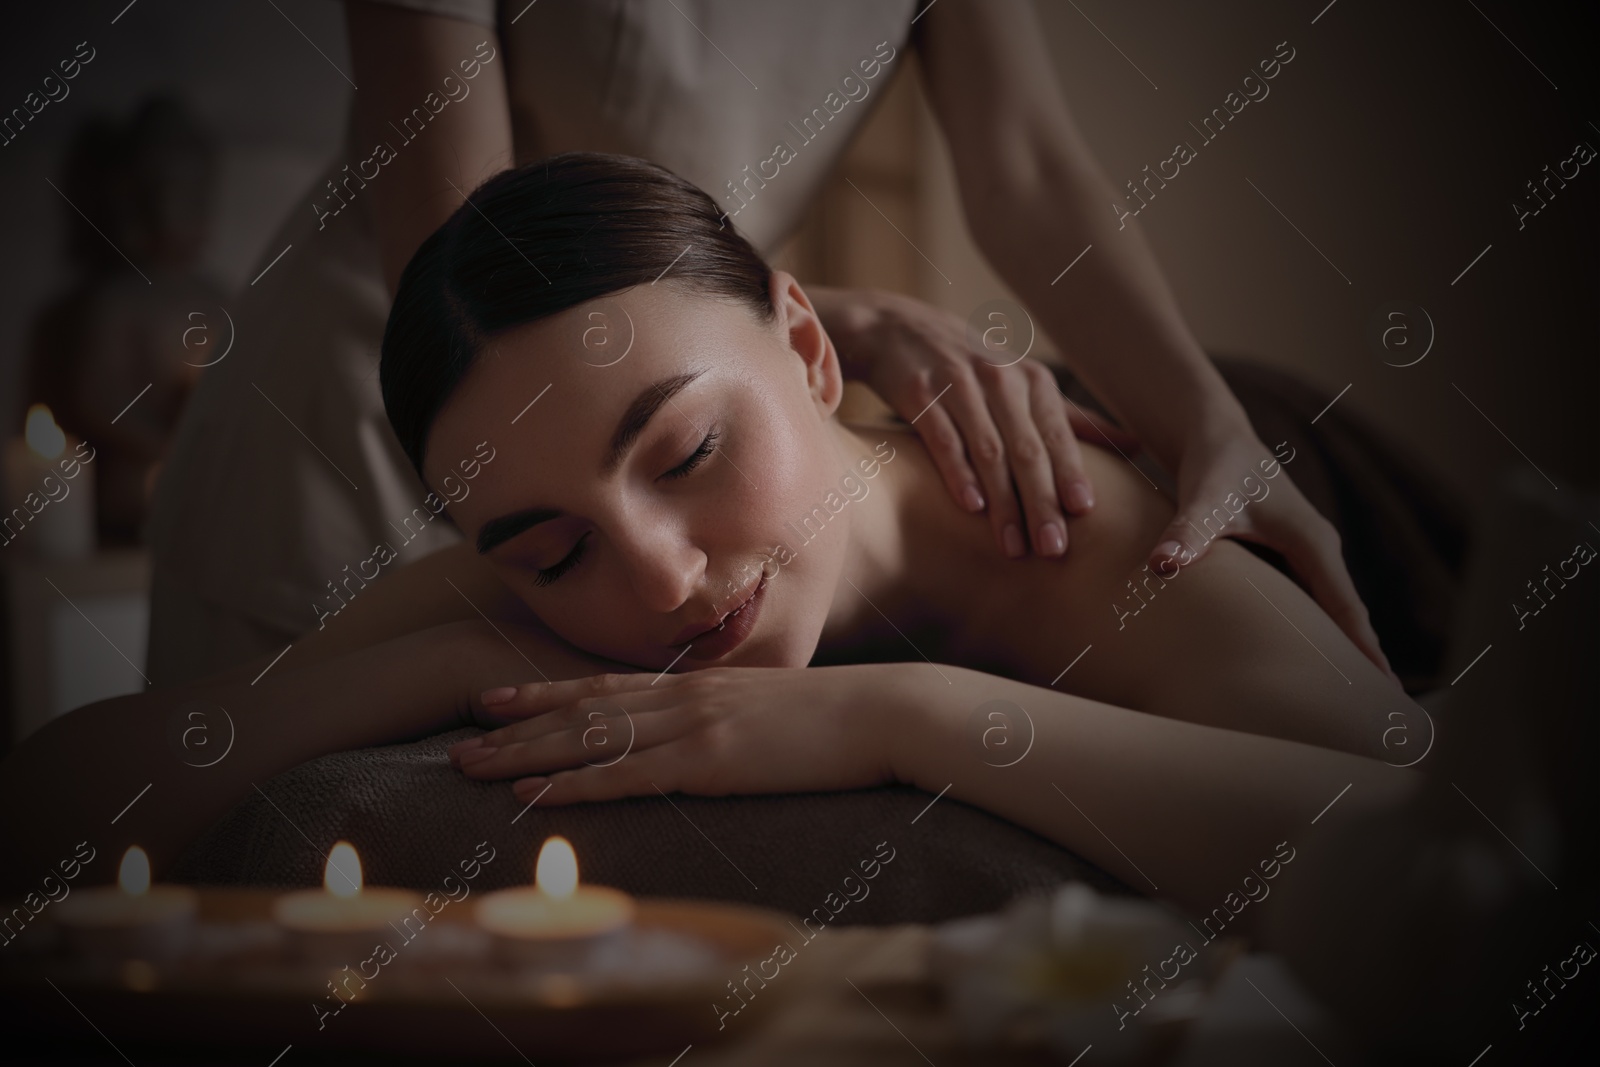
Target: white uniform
(285,481)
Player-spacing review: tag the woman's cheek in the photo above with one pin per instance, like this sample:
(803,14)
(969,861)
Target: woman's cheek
(589,620)
(803,475)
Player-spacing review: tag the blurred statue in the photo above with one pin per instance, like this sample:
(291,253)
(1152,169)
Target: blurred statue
(116,354)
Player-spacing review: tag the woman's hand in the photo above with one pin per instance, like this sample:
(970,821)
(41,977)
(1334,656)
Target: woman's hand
(709,732)
(1213,476)
(1010,421)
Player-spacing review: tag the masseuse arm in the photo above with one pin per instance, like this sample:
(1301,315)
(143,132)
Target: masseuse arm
(1034,198)
(400,57)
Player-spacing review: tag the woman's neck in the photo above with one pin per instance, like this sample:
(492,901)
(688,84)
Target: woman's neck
(908,544)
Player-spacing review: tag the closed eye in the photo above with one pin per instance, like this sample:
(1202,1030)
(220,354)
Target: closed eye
(707,446)
(545,575)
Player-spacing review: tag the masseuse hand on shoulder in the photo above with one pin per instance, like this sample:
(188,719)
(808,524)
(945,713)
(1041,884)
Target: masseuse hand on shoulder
(1004,438)
(1031,191)
(1227,470)
(713,732)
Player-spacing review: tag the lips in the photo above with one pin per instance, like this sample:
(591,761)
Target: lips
(689,633)
(731,631)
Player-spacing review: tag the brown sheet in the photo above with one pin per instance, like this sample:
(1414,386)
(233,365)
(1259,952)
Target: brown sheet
(413,819)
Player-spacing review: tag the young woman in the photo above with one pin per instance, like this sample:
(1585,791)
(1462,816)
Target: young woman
(668,529)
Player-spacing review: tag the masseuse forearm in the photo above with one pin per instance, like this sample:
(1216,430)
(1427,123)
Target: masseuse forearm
(67,782)
(411,63)
(1035,199)
(1170,807)
(1112,316)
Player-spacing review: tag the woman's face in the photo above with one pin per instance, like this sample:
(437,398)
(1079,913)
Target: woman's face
(634,504)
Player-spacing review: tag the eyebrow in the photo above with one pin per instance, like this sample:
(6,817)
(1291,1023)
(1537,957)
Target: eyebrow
(503,528)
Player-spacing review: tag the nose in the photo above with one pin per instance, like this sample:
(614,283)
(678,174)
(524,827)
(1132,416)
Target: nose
(662,563)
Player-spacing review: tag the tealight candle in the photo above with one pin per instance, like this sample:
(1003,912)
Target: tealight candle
(133,918)
(50,484)
(338,921)
(555,922)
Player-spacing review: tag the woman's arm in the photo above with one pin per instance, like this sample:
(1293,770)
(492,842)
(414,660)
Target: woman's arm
(451,584)
(400,57)
(117,772)
(1174,808)
(1178,809)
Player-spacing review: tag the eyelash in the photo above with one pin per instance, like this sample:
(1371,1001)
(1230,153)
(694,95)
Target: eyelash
(708,446)
(546,575)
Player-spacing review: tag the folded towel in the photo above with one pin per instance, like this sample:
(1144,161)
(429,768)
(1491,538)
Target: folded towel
(412,817)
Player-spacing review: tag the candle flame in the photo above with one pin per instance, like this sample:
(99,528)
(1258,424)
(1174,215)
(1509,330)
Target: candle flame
(134,874)
(45,439)
(557,870)
(342,875)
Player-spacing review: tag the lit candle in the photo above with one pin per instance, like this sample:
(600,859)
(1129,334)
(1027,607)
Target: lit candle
(555,922)
(134,918)
(49,501)
(338,921)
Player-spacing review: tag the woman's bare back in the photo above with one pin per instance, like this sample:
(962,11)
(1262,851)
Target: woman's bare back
(1227,640)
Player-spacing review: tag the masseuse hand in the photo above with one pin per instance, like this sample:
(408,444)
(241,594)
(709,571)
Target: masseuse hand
(710,732)
(1273,512)
(1011,423)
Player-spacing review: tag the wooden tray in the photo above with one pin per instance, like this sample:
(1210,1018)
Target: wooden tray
(456,1010)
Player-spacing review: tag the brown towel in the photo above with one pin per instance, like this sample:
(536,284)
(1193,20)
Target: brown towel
(413,818)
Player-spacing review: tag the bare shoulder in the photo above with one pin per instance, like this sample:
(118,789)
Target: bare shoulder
(1022,615)
(1227,640)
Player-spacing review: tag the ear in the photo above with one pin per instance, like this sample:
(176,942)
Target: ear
(798,324)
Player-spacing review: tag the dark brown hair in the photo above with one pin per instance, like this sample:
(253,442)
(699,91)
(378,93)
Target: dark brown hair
(535,241)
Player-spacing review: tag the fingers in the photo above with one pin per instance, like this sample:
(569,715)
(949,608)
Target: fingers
(1063,453)
(676,766)
(1316,558)
(597,717)
(943,440)
(592,708)
(1011,401)
(1179,545)
(602,741)
(586,785)
(1312,552)
(508,702)
(969,409)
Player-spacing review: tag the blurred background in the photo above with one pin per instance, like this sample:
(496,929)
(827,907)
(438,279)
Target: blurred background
(1383,167)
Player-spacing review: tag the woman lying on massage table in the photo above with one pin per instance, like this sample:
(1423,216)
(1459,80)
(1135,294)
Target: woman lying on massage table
(686,543)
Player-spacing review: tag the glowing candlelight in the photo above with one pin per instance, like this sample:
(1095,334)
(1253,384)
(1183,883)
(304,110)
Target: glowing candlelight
(340,918)
(49,484)
(556,921)
(556,871)
(131,918)
(45,439)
